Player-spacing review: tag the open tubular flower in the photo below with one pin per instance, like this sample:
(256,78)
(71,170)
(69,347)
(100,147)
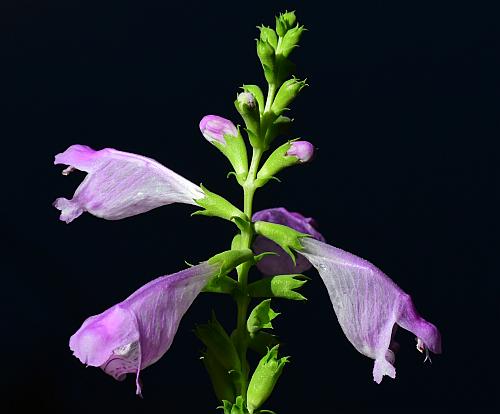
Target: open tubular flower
(135,333)
(369,306)
(282,263)
(120,184)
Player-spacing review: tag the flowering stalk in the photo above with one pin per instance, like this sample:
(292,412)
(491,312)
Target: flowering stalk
(135,333)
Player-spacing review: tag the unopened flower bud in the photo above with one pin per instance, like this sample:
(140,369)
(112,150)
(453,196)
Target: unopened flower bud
(246,102)
(303,150)
(264,379)
(285,22)
(247,106)
(214,128)
(286,94)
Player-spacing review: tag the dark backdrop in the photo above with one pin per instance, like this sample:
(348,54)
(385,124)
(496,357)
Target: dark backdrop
(403,106)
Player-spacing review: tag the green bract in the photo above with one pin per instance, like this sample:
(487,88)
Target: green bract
(261,317)
(277,161)
(236,152)
(280,286)
(283,236)
(218,206)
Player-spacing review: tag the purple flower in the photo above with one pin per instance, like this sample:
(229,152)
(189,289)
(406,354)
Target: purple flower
(135,333)
(120,184)
(214,128)
(282,264)
(303,150)
(369,306)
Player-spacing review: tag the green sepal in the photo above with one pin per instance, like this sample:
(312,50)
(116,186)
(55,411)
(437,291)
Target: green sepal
(221,380)
(291,40)
(250,114)
(217,206)
(267,58)
(284,236)
(237,408)
(268,35)
(286,94)
(276,162)
(261,317)
(236,242)
(284,22)
(235,151)
(257,92)
(280,286)
(222,284)
(255,140)
(230,259)
(280,126)
(217,341)
(261,341)
(264,379)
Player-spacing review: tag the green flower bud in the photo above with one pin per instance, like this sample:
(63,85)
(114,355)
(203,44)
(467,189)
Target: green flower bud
(266,54)
(268,35)
(286,94)
(284,22)
(247,106)
(291,40)
(264,379)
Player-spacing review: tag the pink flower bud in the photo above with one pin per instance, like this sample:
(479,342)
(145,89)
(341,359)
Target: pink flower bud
(214,128)
(303,150)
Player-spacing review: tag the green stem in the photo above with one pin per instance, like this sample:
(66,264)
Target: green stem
(242,299)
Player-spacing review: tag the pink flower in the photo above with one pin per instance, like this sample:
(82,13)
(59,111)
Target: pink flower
(369,306)
(120,184)
(303,150)
(135,333)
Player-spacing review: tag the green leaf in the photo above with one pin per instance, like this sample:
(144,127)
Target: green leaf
(264,379)
(284,236)
(219,344)
(257,92)
(221,380)
(216,206)
(280,286)
(261,317)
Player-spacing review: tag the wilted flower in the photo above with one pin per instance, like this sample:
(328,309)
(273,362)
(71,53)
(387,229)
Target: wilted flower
(214,128)
(282,263)
(135,333)
(120,184)
(303,150)
(369,305)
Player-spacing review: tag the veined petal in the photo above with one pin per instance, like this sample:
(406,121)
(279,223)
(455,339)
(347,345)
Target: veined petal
(282,263)
(135,333)
(369,305)
(120,184)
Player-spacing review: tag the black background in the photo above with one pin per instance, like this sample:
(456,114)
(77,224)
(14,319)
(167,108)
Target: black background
(403,105)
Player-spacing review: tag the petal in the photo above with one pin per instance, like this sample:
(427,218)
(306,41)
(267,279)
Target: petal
(135,333)
(282,264)
(368,304)
(120,184)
